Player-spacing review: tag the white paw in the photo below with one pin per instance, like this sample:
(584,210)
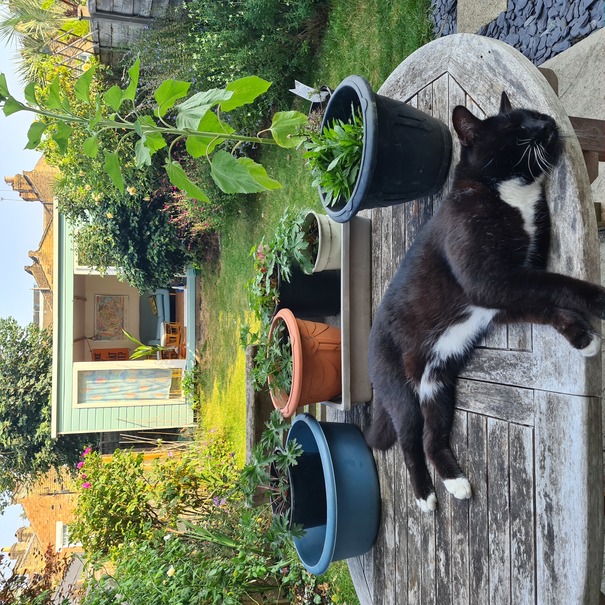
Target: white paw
(459,488)
(428,505)
(593,348)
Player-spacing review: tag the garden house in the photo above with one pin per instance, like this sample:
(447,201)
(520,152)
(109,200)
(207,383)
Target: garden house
(96,387)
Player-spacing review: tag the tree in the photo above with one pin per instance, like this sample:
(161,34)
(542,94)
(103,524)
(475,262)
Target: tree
(26,446)
(39,28)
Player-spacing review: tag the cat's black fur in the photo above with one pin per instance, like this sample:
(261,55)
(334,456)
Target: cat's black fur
(481,258)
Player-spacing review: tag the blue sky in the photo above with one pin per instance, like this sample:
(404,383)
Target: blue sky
(21,231)
(21,221)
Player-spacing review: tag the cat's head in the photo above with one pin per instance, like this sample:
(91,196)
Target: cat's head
(513,143)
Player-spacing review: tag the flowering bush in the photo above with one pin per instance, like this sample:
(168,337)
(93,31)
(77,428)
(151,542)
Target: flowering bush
(126,498)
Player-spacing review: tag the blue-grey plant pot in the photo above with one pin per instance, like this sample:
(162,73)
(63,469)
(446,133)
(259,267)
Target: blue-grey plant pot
(352,502)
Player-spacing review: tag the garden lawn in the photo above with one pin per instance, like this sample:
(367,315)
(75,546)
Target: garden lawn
(225,308)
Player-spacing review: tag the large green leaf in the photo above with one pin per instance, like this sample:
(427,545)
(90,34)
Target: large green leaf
(131,89)
(142,153)
(61,136)
(34,134)
(179,179)
(3,87)
(168,92)
(198,146)
(259,174)
(29,92)
(194,109)
(112,168)
(239,175)
(245,91)
(154,140)
(286,127)
(113,98)
(91,147)
(11,105)
(82,87)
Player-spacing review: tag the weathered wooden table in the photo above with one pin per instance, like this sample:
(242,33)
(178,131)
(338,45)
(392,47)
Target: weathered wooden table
(528,424)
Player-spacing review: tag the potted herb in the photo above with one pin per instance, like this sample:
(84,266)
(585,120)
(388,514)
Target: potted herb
(283,265)
(374,151)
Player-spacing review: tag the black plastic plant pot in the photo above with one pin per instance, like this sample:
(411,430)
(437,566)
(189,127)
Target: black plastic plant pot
(406,153)
(313,296)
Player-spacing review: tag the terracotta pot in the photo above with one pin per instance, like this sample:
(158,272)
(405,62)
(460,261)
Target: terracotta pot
(316,363)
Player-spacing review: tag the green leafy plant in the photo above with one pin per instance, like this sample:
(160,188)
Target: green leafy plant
(274,259)
(213,538)
(197,122)
(334,157)
(272,364)
(143,351)
(275,256)
(129,498)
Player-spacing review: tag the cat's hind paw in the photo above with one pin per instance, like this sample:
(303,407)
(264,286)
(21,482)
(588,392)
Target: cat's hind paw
(459,488)
(428,505)
(593,348)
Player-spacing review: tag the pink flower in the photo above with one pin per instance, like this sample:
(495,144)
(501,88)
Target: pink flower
(86,485)
(83,476)
(87,451)
(80,464)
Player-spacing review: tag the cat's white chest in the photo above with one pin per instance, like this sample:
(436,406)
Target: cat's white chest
(523,197)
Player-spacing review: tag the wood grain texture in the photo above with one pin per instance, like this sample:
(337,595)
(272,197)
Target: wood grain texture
(528,425)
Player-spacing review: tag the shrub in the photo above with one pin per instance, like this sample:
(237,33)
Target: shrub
(127,499)
(211,42)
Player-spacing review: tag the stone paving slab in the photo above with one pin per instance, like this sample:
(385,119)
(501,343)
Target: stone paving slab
(474,15)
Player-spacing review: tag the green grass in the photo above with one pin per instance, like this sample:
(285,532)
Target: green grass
(370,38)
(366,37)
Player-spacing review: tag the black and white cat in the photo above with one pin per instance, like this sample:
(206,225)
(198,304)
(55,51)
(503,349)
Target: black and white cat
(481,259)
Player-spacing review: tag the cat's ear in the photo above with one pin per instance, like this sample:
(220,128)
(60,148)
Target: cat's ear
(505,106)
(465,124)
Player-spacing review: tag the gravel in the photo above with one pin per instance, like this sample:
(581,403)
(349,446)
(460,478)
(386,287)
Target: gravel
(539,29)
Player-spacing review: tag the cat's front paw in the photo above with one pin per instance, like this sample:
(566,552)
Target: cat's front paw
(428,505)
(593,347)
(459,488)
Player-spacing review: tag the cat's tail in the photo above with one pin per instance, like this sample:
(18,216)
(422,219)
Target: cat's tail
(381,434)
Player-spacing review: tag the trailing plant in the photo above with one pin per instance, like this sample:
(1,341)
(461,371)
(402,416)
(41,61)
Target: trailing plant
(197,122)
(334,157)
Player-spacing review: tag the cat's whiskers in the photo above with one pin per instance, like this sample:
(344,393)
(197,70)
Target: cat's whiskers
(542,159)
(527,148)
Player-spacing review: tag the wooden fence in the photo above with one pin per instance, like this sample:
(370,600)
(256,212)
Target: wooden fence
(116,24)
